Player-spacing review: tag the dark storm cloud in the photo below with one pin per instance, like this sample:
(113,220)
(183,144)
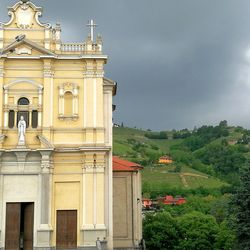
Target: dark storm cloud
(178,63)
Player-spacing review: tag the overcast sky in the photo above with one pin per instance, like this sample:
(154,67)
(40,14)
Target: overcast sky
(178,63)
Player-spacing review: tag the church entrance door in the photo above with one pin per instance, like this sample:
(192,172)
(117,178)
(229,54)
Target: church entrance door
(66,229)
(19,226)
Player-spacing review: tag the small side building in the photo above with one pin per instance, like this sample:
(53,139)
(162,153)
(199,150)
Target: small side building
(127,205)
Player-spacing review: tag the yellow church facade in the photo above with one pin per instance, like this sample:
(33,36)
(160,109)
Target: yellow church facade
(56,165)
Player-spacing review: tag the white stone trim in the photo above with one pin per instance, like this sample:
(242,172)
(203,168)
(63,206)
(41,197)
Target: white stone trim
(84,103)
(59,57)
(33,83)
(94,103)
(6,118)
(51,100)
(84,187)
(94,196)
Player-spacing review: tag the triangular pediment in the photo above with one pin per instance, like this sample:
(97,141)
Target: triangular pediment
(24,47)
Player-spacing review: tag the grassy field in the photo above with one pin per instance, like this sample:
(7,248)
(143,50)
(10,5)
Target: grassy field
(161,177)
(123,146)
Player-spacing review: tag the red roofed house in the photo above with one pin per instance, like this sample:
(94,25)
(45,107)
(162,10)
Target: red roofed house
(127,220)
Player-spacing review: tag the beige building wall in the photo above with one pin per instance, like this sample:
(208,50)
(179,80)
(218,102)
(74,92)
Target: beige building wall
(127,210)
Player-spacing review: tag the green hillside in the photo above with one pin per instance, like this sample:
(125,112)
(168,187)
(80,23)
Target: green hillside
(207,158)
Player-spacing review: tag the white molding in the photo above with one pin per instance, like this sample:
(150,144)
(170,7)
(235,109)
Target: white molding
(9,85)
(51,100)
(94,196)
(94,103)
(84,103)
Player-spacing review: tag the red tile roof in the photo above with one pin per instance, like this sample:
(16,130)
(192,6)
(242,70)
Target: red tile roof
(124,165)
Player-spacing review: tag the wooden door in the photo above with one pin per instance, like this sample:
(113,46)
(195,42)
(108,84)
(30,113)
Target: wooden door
(66,229)
(13,220)
(28,214)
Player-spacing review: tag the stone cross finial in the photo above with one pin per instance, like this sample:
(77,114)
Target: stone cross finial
(92,25)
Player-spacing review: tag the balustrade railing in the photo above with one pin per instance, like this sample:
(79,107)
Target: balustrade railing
(79,47)
(73,47)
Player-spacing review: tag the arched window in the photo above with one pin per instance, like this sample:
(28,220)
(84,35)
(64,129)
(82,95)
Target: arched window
(68,104)
(23,101)
(23,111)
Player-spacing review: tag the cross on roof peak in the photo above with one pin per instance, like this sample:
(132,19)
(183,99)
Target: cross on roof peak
(91,24)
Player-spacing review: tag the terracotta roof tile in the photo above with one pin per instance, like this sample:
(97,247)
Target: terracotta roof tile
(124,165)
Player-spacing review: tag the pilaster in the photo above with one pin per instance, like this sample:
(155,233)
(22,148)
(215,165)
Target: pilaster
(48,96)
(1,90)
(109,199)
(89,76)
(93,225)
(108,114)
(45,181)
(47,40)
(21,158)
(40,103)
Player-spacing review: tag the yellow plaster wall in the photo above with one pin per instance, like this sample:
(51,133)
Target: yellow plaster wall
(100,199)
(67,187)
(67,193)
(64,72)
(33,35)
(89,102)
(12,138)
(89,198)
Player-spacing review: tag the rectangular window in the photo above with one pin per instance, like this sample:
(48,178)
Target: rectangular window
(11,118)
(34,119)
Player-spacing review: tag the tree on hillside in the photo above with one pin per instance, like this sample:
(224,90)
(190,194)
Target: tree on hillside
(224,159)
(226,237)
(241,201)
(223,124)
(198,231)
(160,231)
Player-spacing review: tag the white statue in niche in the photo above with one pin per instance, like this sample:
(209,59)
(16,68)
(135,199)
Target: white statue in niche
(21,131)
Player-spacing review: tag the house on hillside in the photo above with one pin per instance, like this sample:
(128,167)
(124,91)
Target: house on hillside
(166,159)
(170,200)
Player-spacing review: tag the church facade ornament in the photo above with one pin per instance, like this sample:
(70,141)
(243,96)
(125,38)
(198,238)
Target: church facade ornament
(25,15)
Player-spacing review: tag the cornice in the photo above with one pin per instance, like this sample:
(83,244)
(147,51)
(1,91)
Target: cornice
(59,57)
(84,149)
